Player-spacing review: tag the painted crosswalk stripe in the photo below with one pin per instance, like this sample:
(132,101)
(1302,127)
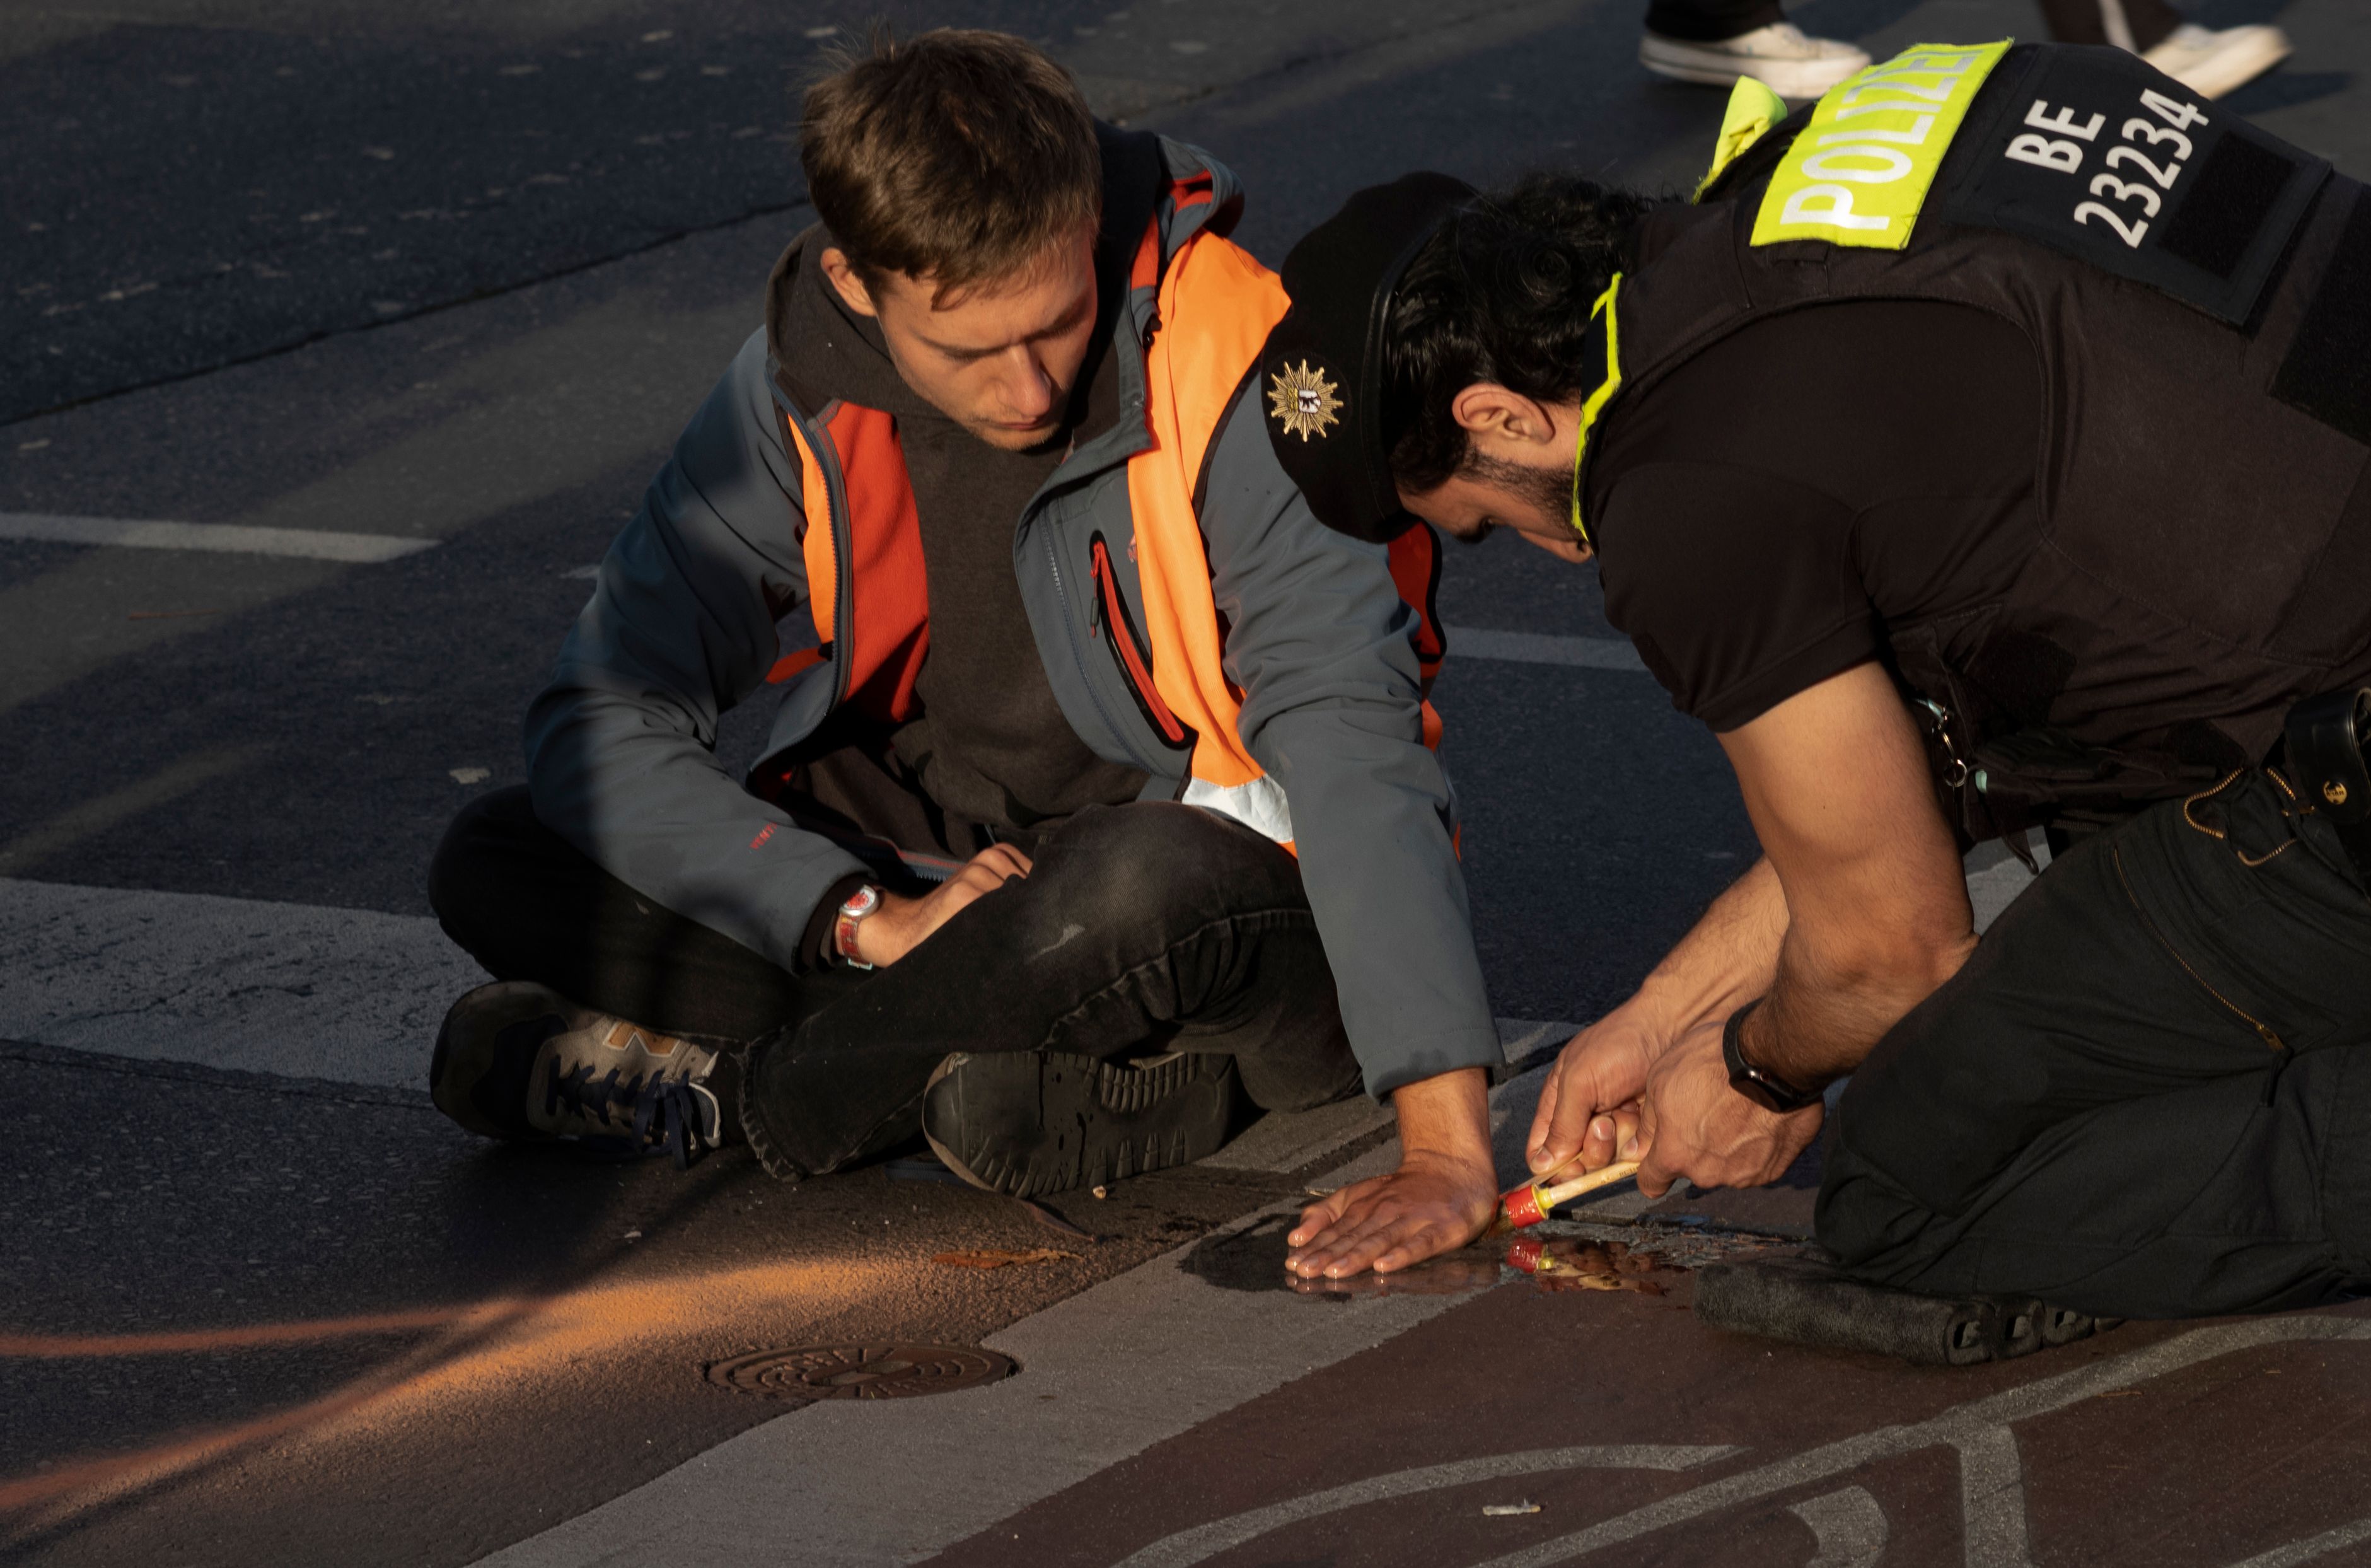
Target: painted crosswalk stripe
(352,995)
(311,545)
(1540,647)
(298,990)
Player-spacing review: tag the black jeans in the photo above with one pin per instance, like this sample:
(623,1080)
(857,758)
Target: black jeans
(2146,1095)
(1139,929)
(1142,928)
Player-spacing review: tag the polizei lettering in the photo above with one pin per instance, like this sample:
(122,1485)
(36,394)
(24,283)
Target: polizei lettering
(1860,170)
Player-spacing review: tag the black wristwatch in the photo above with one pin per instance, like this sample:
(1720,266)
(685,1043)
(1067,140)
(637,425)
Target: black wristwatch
(1759,1085)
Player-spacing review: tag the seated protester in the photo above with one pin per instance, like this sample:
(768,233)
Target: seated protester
(1077,651)
(1965,475)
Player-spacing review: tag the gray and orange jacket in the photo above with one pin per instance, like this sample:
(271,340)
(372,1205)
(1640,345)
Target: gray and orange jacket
(1195,620)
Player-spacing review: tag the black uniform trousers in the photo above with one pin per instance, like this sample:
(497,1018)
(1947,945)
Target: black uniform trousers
(2146,1095)
(1141,928)
(2071,21)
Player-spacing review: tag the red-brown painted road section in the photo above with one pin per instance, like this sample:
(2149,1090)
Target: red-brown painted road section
(1647,1439)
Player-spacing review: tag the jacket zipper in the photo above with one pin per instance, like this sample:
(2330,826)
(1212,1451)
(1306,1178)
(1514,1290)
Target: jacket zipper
(1134,661)
(839,637)
(1070,630)
(2263,1030)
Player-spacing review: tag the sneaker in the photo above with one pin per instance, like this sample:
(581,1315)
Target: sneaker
(2212,63)
(1792,64)
(1024,1122)
(515,1060)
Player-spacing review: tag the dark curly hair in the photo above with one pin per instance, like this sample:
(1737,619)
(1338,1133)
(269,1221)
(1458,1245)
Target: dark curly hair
(1501,293)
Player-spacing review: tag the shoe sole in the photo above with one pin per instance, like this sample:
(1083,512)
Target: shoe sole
(1027,1122)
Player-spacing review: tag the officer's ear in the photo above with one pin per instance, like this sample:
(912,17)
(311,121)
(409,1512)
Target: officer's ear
(1496,418)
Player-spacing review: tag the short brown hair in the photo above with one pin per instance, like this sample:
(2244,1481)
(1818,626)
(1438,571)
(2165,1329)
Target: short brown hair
(956,155)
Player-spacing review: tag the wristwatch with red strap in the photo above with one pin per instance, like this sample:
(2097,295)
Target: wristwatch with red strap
(861,903)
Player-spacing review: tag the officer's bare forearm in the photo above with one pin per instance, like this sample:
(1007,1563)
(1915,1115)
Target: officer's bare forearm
(1836,994)
(1836,780)
(1728,958)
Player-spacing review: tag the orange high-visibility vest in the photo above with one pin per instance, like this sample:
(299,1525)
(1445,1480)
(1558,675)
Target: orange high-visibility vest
(1216,306)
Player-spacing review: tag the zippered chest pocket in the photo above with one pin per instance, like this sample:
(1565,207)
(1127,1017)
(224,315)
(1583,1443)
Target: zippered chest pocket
(1110,621)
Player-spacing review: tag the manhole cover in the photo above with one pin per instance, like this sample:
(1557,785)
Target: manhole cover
(858,1372)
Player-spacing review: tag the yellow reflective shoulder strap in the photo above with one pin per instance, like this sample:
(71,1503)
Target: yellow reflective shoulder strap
(1754,108)
(1595,405)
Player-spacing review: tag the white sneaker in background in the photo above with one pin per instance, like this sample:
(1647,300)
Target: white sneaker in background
(2213,64)
(1794,65)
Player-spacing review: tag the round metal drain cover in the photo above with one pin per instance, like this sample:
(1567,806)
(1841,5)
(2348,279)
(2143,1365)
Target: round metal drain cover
(859,1372)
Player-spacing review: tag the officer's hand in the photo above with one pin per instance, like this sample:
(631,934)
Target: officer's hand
(1433,1203)
(900,924)
(1589,1106)
(1695,1125)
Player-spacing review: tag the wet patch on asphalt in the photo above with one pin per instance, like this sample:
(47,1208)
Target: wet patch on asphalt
(1557,1255)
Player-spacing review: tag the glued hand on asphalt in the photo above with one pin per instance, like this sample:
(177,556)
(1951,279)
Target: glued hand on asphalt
(900,924)
(1432,1204)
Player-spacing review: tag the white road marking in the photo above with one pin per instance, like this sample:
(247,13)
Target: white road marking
(1111,1371)
(1205,1542)
(354,996)
(1538,647)
(1294,1143)
(1289,1143)
(1848,1526)
(312,544)
(1156,1351)
(1992,1497)
(2310,1548)
(351,996)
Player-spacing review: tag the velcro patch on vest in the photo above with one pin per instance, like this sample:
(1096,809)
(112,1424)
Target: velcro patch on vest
(2100,157)
(2328,371)
(1859,172)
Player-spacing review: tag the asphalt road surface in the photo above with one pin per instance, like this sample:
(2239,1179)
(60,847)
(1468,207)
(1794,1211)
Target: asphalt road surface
(434,286)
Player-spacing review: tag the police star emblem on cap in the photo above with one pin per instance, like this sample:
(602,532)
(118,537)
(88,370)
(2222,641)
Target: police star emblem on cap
(1304,402)
(1323,364)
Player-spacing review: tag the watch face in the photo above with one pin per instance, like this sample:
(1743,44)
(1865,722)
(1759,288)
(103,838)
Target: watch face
(865,900)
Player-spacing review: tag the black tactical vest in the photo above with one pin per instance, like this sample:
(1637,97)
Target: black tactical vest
(2205,549)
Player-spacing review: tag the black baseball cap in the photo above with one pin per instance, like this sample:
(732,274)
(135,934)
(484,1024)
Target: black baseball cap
(1321,374)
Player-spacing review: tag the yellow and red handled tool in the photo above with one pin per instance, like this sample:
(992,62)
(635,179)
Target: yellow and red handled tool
(1528,1205)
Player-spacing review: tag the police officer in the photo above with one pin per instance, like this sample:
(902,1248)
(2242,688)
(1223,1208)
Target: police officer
(2058,517)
